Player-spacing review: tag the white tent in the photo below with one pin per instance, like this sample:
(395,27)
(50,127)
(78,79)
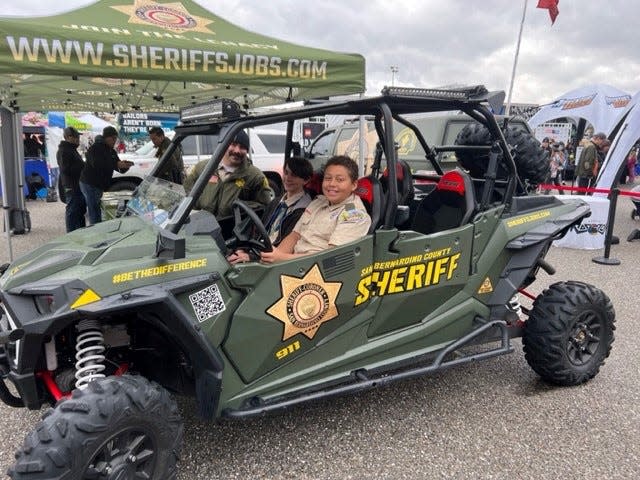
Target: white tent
(599,104)
(97,123)
(628,133)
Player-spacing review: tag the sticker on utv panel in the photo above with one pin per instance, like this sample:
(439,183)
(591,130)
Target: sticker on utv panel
(207,303)
(306,303)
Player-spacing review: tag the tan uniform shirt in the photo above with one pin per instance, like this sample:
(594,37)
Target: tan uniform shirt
(245,182)
(323,224)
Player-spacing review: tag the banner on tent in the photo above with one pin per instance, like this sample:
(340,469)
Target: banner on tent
(138,123)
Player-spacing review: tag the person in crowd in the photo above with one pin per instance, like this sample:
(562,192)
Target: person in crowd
(235,179)
(334,218)
(283,213)
(102,161)
(173,171)
(556,164)
(569,167)
(35,185)
(631,166)
(546,145)
(71,165)
(33,147)
(587,163)
(602,154)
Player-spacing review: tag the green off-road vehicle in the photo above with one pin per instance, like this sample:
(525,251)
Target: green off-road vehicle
(109,321)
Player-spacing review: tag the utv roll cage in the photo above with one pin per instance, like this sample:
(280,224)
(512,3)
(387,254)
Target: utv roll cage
(224,119)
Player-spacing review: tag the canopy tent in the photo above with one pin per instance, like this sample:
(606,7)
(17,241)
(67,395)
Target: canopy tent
(121,55)
(130,55)
(598,104)
(627,133)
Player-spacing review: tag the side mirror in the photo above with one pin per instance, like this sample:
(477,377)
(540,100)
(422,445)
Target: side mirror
(169,246)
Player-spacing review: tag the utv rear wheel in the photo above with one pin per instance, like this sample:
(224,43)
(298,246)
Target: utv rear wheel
(569,333)
(117,428)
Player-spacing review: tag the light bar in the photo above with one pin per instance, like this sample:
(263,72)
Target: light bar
(462,93)
(210,111)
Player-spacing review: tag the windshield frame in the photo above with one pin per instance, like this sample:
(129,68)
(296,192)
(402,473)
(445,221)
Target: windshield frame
(155,200)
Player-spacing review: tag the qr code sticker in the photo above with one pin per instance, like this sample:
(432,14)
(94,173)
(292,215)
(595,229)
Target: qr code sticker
(207,303)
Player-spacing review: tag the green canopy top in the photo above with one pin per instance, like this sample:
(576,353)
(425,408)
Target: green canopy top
(123,55)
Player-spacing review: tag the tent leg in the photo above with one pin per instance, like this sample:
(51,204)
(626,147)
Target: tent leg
(7,230)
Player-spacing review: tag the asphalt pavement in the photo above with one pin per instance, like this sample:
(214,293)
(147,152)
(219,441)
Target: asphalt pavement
(489,420)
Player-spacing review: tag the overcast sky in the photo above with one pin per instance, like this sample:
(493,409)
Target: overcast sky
(445,42)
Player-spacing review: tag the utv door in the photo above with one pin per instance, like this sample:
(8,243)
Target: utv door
(418,279)
(292,307)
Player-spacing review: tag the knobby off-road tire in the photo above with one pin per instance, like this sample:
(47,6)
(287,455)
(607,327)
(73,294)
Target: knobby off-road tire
(569,333)
(532,162)
(117,428)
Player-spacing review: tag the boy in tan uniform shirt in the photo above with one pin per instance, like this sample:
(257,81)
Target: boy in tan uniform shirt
(334,218)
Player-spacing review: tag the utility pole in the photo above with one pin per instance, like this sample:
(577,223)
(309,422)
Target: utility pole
(394,70)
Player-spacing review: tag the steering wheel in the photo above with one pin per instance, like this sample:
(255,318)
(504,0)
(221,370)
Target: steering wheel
(248,233)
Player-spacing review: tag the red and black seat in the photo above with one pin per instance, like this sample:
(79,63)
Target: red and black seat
(314,184)
(370,192)
(450,205)
(404,178)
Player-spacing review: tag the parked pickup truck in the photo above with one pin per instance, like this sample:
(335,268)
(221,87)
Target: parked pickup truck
(438,129)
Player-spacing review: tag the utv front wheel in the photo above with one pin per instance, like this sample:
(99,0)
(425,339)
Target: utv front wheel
(569,333)
(117,428)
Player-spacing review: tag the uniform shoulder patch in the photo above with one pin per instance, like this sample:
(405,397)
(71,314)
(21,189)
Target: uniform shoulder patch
(351,214)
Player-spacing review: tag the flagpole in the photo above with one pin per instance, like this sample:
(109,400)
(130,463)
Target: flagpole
(515,60)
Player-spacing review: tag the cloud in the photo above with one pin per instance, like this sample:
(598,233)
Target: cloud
(435,42)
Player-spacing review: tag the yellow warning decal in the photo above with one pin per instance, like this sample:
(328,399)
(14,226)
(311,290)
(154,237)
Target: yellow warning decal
(88,296)
(486,286)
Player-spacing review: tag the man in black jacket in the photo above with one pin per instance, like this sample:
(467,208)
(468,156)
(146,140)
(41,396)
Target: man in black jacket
(173,170)
(71,165)
(102,160)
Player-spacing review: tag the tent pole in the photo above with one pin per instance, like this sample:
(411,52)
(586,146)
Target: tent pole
(5,203)
(361,143)
(515,60)
(19,153)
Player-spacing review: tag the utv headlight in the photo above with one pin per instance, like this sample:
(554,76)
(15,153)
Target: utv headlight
(45,304)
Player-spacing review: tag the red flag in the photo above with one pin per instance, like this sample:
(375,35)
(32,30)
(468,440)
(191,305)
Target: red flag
(552,6)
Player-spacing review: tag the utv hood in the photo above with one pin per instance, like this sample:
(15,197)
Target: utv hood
(114,241)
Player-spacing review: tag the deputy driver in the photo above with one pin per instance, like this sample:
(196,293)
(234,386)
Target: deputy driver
(235,179)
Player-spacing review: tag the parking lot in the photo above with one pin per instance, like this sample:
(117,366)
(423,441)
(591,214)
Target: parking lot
(494,419)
